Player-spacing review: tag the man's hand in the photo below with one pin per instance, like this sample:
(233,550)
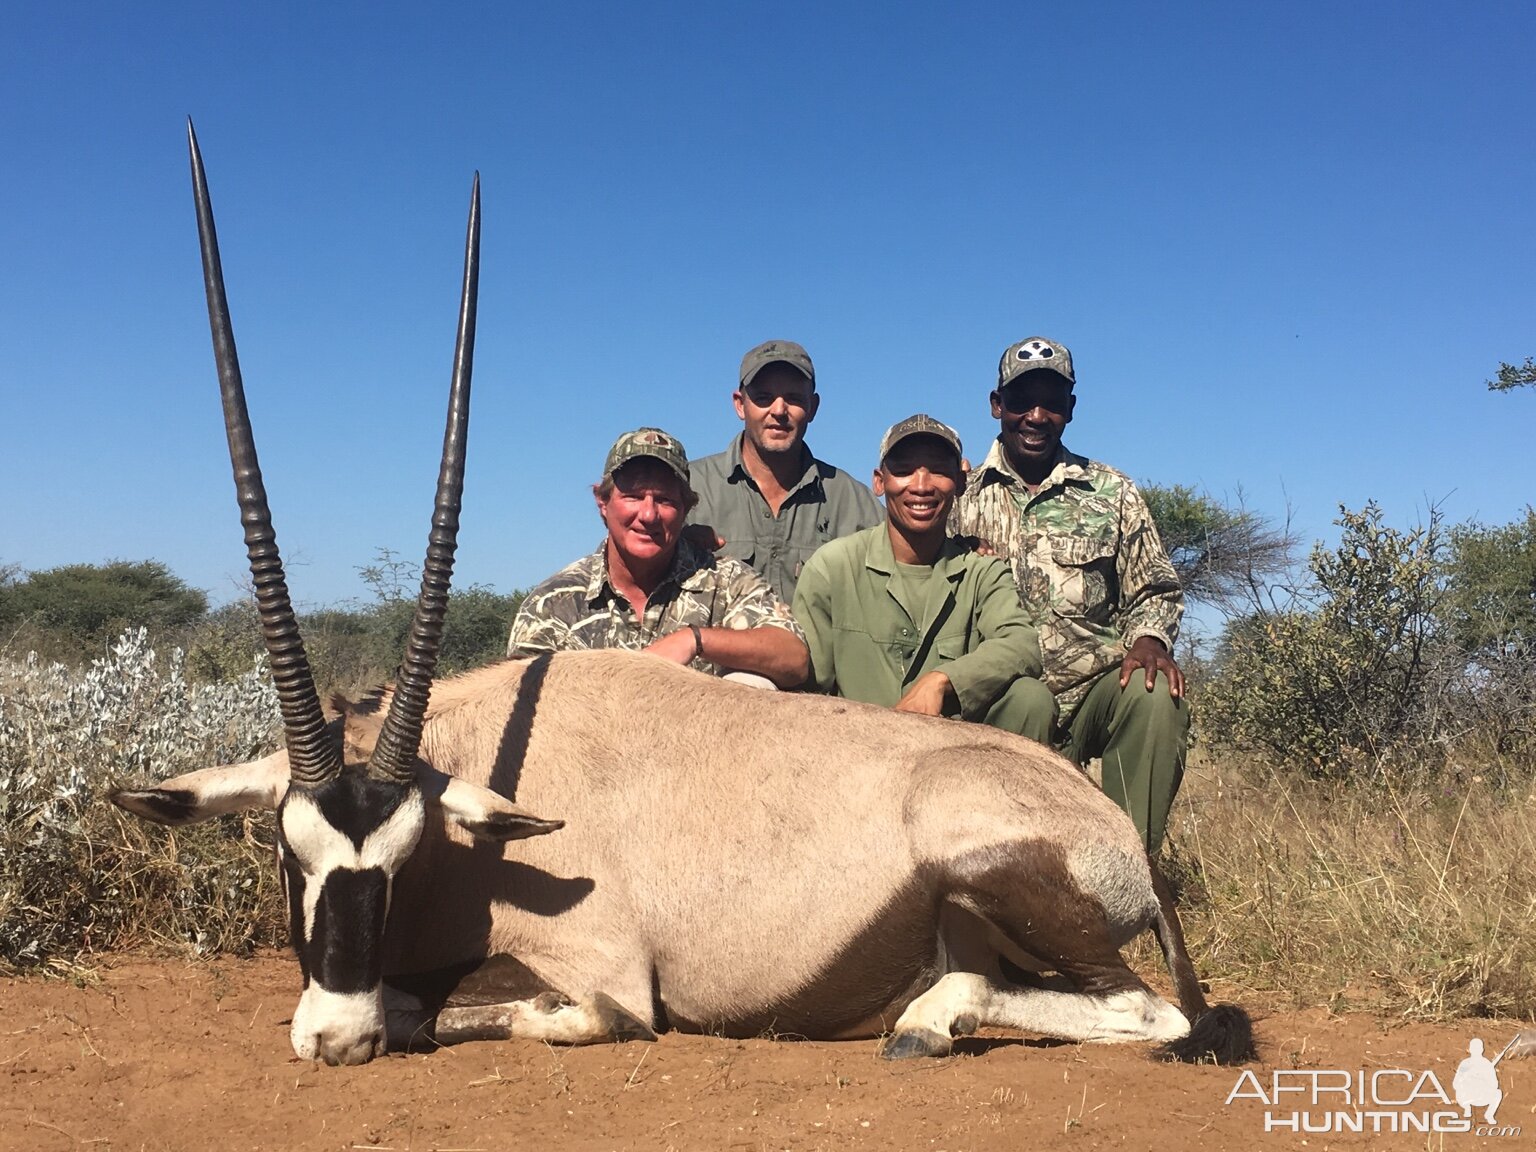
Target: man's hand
(977,545)
(703,536)
(674,646)
(1148,652)
(928,695)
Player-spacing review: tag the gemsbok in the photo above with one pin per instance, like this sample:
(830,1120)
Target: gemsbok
(725,859)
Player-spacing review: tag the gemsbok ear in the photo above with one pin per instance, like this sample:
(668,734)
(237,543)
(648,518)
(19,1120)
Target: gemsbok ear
(209,792)
(489,815)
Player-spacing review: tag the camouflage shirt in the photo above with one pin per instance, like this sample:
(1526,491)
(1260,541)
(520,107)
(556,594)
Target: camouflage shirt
(1091,570)
(578,608)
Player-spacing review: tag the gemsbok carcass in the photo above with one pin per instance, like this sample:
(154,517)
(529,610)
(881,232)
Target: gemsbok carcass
(725,859)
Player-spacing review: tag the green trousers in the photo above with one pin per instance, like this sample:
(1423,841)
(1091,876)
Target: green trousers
(1141,737)
(1027,709)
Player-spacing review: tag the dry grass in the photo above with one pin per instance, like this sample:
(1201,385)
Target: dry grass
(1411,901)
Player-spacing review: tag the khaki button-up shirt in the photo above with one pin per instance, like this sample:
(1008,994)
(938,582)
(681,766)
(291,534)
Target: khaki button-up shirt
(826,503)
(868,644)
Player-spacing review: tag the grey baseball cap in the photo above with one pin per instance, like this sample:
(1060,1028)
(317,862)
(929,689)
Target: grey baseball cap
(652,442)
(919,425)
(1034,353)
(776,351)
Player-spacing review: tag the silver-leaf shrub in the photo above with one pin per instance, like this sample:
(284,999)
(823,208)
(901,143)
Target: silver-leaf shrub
(75,874)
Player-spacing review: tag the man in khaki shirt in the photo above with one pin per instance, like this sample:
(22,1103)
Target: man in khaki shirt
(767,496)
(904,616)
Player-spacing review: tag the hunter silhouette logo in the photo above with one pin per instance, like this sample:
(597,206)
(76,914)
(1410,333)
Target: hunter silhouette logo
(1477,1080)
(1385,1099)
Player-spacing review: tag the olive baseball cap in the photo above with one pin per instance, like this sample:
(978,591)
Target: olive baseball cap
(1032,354)
(652,442)
(919,425)
(773,352)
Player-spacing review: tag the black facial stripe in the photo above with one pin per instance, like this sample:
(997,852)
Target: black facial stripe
(344,949)
(355,806)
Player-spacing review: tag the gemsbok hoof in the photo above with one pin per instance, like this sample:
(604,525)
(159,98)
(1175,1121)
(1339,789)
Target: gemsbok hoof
(915,1042)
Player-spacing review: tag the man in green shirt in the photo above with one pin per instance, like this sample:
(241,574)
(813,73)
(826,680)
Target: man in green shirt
(771,501)
(905,616)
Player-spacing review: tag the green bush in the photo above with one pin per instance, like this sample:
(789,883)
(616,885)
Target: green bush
(75,611)
(1338,677)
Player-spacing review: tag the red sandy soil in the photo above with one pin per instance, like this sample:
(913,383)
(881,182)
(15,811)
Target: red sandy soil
(169,1055)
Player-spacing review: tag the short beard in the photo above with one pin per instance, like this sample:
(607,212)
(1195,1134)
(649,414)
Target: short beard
(793,448)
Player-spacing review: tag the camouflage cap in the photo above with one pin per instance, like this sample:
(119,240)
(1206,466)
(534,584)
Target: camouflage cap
(652,442)
(919,425)
(773,352)
(1036,352)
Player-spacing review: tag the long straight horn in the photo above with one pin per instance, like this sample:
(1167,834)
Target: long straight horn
(394,753)
(311,756)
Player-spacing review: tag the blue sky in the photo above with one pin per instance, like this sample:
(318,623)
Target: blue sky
(1286,244)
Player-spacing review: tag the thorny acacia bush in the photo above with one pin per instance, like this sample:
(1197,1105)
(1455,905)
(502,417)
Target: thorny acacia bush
(77,875)
(1400,652)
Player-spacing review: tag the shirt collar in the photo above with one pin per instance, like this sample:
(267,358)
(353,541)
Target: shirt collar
(687,561)
(882,559)
(996,469)
(814,471)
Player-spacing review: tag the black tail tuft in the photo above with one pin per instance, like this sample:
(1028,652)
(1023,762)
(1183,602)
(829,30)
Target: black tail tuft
(1220,1035)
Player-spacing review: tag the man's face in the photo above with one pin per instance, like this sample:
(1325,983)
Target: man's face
(776,408)
(919,479)
(1033,409)
(645,511)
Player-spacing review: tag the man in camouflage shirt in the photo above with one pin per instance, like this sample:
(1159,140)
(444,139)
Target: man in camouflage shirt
(1093,578)
(648,588)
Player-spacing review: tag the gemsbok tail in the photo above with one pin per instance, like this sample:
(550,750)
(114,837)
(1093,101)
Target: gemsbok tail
(1219,1035)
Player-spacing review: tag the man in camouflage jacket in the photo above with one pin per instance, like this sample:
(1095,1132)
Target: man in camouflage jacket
(1094,579)
(648,588)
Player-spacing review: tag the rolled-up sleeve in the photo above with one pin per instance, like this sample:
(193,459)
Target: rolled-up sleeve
(534,633)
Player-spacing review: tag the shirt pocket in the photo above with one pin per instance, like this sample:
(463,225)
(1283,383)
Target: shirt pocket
(1084,585)
(948,649)
(797,555)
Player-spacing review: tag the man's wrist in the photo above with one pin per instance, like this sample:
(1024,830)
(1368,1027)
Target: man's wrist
(698,641)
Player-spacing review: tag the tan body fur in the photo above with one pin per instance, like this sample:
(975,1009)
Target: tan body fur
(758,861)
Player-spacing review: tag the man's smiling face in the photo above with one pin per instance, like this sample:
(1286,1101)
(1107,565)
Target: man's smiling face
(777,407)
(1033,409)
(919,480)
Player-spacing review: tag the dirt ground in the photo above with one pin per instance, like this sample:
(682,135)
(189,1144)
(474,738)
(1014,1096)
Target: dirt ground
(170,1055)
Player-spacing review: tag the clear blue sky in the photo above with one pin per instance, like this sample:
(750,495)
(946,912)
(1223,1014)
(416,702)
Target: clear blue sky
(1286,244)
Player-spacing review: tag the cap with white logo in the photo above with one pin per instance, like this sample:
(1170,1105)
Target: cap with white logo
(1032,354)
